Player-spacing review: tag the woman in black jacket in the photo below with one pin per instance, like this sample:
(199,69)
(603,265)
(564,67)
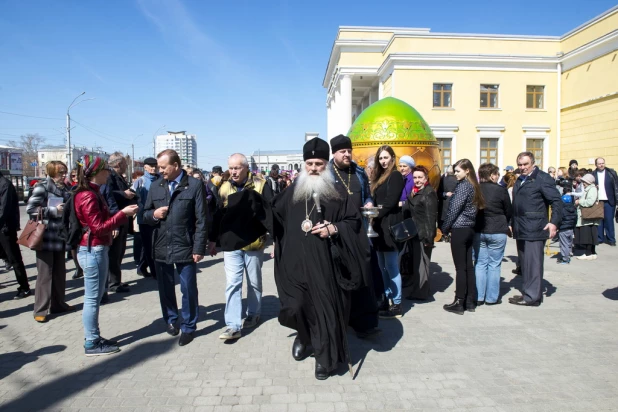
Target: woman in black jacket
(492,229)
(422,207)
(386,187)
(460,221)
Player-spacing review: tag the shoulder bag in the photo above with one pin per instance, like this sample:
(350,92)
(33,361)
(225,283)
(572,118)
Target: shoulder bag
(404,230)
(32,235)
(593,212)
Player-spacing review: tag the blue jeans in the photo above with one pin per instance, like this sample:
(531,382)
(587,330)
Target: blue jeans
(187,272)
(236,263)
(389,265)
(489,251)
(606,228)
(95,264)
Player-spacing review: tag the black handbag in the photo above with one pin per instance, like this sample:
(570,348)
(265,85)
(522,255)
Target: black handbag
(403,231)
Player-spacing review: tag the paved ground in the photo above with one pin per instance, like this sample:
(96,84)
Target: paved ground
(562,356)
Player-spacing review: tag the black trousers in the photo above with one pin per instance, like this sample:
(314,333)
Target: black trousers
(116,253)
(532,260)
(461,249)
(145,254)
(8,242)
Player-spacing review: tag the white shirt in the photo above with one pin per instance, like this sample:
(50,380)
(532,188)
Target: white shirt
(601,183)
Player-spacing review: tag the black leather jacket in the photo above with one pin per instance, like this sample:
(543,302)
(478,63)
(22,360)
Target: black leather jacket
(422,207)
(183,233)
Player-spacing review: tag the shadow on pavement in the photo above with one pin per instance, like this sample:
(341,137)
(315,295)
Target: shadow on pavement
(45,396)
(13,361)
(611,294)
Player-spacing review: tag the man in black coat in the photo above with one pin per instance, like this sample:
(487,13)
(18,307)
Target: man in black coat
(118,195)
(534,192)
(176,207)
(9,225)
(607,182)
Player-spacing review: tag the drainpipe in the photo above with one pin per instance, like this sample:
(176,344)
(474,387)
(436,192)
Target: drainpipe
(558,106)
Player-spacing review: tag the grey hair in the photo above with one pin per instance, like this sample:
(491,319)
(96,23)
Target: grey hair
(526,154)
(449,170)
(242,157)
(115,159)
(371,163)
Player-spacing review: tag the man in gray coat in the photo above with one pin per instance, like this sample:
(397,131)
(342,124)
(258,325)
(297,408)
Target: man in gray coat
(534,192)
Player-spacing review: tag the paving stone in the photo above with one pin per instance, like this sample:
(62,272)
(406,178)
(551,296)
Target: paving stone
(560,356)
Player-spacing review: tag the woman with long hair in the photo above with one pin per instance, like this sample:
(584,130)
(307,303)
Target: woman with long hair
(422,207)
(460,220)
(492,230)
(386,187)
(93,213)
(48,199)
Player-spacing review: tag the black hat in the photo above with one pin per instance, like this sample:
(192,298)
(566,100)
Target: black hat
(275,167)
(315,148)
(217,169)
(573,161)
(340,142)
(150,161)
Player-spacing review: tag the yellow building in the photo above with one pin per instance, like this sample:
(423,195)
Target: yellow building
(488,97)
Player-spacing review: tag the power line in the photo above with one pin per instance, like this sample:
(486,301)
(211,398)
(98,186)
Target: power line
(34,117)
(100,134)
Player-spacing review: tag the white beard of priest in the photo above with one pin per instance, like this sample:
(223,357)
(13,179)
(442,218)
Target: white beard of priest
(311,220)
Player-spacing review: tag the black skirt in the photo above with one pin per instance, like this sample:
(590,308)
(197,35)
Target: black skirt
(586,235)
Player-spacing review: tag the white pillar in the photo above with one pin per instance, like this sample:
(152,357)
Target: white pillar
(346,103)
(336,112)
(373,95)
(329,121)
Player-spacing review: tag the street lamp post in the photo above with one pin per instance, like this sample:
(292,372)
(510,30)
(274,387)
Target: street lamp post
(154,144)
(133,154)
(69,151)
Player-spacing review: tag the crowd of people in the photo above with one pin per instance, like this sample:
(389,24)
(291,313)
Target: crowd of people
(329,274)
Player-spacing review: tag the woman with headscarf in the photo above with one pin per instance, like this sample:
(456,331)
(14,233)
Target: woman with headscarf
(406,164)
(586,236)
(93,213)
(47,200)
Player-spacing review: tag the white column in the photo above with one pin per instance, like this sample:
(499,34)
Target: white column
(346,103)
(336,105)
(329,121)
(373,95)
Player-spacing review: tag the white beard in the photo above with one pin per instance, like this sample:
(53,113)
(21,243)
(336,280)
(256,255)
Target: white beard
(323,184)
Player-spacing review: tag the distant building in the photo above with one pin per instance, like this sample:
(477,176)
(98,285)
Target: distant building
(11,160)
(263,160)
(183,143)
(48,153)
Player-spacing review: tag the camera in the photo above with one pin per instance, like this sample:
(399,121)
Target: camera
(566,184)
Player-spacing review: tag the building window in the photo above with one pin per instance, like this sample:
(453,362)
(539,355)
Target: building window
(534,97)
(442,94)
(489,96)
(489,151)
(535,146)
(446,151)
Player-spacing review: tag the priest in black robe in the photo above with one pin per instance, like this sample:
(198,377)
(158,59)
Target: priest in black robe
(319,259)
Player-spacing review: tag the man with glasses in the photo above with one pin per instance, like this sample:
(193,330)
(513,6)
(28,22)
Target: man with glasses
(534,190)
(242,237)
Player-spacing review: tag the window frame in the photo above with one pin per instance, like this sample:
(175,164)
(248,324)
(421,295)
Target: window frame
(534,94)
(488,157)
(489,93)
(442,93)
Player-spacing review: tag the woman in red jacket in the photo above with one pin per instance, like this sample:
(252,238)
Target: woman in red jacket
(92,253)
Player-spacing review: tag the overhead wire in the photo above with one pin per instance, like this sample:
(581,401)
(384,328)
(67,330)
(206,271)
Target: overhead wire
(33,117)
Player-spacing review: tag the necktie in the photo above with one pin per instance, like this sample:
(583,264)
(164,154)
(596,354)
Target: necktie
(173,184)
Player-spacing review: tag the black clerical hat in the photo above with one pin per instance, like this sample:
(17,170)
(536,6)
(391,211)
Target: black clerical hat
(150,161)
(340,142)
(315,148)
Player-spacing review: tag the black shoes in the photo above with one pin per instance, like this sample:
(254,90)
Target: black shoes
(394,311)
(172,330)
(78,274)
(299,350)
(456,307)
(499,301)
(470,305)
(366,334)
(519,301)
(320,372)
(119,288)
(517,270)
(185,339)
(22,294)
(104,298)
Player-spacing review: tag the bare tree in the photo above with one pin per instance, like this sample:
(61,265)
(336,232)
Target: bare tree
(29,144)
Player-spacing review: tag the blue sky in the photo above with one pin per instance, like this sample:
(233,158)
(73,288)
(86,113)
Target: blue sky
(242,75)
